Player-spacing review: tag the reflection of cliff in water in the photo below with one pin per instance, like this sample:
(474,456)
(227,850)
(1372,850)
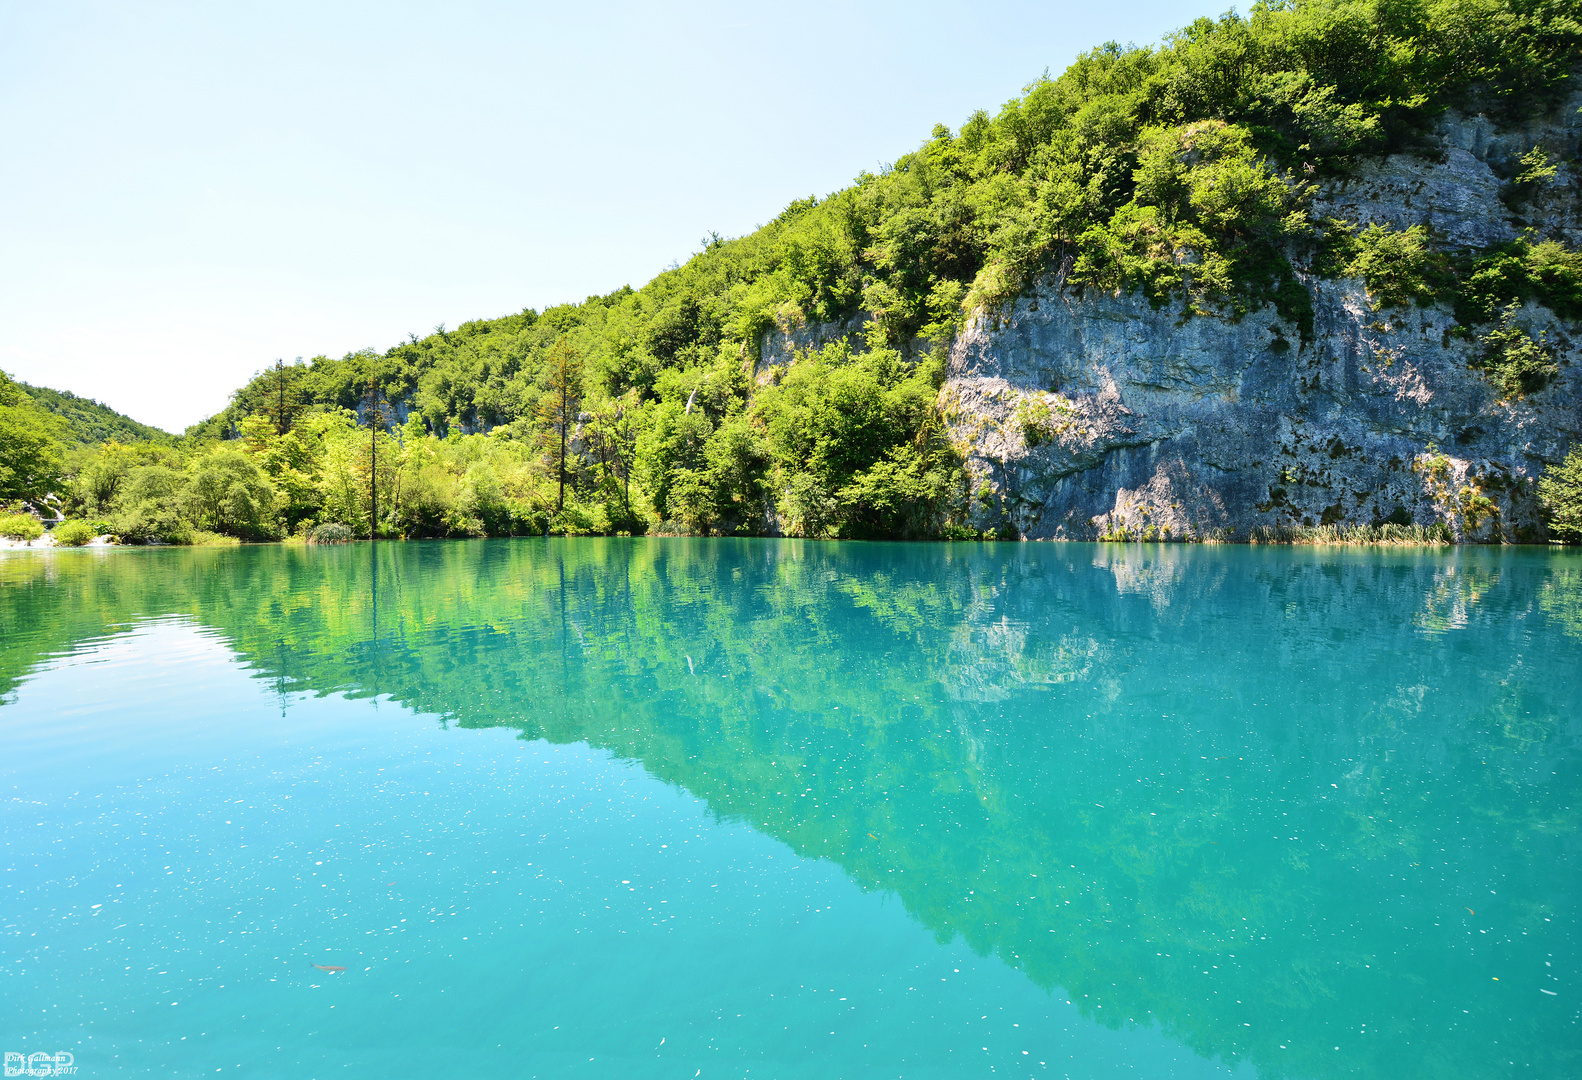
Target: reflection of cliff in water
(1250,795)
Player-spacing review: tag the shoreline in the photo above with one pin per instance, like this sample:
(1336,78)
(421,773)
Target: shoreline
(47,542)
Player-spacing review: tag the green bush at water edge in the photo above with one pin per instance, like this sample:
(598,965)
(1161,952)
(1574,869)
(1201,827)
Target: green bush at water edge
(1560,491)
(20,527)
(331,532)
(73,533)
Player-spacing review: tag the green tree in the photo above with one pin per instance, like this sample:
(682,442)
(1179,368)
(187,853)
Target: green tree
(284,398)
(856,445)
(1560,492)
(226,492)
(376,413)
(559,407)
(31,452)
(291,461)
(146,506)
(99,480)
(671,450)
(612,439)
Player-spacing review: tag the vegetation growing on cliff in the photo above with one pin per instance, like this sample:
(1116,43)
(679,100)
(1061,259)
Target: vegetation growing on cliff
(1183,171)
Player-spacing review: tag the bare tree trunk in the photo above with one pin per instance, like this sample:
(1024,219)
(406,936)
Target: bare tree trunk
(376,419)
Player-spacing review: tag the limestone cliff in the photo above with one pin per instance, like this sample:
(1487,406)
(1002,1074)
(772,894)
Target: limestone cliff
(1082,415)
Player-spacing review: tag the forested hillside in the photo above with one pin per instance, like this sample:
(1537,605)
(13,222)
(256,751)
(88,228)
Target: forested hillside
(90,423)
(32,451)
(1183,171)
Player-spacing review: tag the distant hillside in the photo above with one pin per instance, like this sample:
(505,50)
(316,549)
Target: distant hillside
(92,423)
(1251,278)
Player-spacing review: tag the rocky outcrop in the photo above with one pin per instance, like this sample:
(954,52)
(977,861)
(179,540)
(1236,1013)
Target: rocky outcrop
(1462,191)
(1082,415)
(778,349)
(1086,415)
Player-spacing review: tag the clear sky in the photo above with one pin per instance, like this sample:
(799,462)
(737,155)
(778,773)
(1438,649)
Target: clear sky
(192,190)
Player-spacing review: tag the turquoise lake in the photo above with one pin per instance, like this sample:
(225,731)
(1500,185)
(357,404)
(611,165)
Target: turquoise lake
(714,808)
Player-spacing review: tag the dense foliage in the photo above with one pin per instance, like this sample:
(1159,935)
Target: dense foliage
(73,533)
(89,423)
(1183,171)
(20,527)
(31,455)
(1560,490)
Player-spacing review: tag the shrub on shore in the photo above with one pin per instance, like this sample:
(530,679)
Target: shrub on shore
(331,532)
(1560,492)
(73,533)
(20,527)
(202,538)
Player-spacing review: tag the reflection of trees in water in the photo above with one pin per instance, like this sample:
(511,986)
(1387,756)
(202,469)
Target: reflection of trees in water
(1456,591)
(1157,572)
(1207,789)
(1561,599)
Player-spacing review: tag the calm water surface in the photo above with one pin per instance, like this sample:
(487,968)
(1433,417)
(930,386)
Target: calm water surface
(670,808)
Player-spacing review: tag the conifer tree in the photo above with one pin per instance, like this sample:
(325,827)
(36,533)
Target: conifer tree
(374,404)
(284,398)
(559,407)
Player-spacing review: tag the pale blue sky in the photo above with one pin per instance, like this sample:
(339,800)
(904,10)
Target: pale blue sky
(191,190)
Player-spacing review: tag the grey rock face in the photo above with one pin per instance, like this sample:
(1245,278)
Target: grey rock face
(1458,198)
(1458,191)
(1086,415)
(1083,415)
(778,348)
